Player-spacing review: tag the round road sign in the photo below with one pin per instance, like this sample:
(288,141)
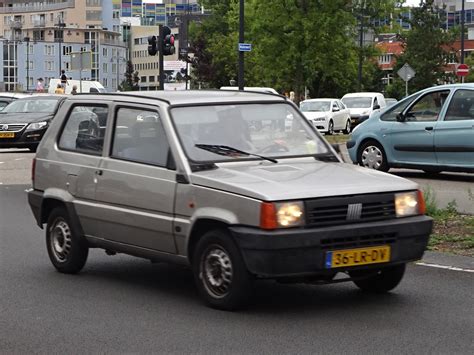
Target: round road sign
(462,70)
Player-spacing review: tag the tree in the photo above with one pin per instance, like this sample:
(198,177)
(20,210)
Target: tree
(426,46)
(131,79)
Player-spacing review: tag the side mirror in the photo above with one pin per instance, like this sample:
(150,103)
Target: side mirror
(335,109)
(376,107)
(401,117)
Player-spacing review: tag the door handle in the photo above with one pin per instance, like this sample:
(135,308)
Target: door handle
(429,128)
(99,172)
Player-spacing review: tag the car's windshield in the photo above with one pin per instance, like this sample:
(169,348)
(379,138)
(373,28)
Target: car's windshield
(31,105)
(315,106)
(357,102)
(271,130)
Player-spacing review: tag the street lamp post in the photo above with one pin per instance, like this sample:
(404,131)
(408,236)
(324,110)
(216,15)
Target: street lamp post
(241,40)
(27,41)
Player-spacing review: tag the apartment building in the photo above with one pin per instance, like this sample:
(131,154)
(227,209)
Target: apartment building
(38,37)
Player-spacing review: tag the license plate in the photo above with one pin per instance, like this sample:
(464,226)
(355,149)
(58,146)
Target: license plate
(359,256)
(7,135)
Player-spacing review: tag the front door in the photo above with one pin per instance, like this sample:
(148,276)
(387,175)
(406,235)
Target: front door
(454,135)
(412,141)
(136,185)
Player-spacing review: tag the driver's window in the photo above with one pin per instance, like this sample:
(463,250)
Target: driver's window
(428,107)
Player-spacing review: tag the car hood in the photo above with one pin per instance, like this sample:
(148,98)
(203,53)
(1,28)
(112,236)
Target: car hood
(305,178)
(360,111)
(24,117)
(313,115)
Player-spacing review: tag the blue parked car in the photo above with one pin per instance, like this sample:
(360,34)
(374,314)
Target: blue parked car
(431,130)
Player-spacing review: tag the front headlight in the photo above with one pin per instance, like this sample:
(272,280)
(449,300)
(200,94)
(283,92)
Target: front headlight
(36,125)
(281,214)
(409,204)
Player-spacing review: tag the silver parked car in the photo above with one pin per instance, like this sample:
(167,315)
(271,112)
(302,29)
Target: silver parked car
(186,177)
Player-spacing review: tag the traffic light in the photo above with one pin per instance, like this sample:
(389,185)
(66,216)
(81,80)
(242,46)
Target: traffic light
(152,45)
(167,46)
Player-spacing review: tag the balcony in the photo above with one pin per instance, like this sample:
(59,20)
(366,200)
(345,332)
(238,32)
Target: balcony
(39,23)
(21,8)
(15,25)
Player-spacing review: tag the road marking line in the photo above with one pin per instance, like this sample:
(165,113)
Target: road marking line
(453,268)
(20,159)
(2,162)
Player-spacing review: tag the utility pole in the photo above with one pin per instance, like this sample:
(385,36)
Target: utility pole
(241,40)
(161,85)
(462,32)
(361,46)
(27,41)
(60,34)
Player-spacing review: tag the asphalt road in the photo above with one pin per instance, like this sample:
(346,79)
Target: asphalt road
(122,304)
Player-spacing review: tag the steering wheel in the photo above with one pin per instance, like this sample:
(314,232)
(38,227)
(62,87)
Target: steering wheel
(275,147)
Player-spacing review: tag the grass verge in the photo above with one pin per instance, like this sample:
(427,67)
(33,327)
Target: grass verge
(452,232)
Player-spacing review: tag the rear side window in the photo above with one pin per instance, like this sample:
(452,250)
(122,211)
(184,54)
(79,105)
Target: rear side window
(428,107)
(83,131)
(461,106)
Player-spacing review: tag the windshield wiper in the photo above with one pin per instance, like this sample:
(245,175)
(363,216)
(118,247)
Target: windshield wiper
(326,157)
(230,151)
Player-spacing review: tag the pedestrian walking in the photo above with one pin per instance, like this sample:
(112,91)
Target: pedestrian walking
(63,79)
(40,85)
(59,89)
(74,90)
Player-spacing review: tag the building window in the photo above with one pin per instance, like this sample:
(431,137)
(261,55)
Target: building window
(49,65)
(143,79)
(151,79)
(385,59)
(92,15)
(105,52)
(105,67)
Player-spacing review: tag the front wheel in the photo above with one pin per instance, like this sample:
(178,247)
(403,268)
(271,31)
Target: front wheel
(220,273)
(372,155)
(67,250)
(330,131)
(382,281)
(347,130)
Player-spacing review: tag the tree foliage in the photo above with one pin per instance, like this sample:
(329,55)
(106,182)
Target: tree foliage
(426,46)
(296,44)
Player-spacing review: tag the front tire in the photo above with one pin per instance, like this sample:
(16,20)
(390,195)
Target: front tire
(330,131)
(384,280)
(219,271)
(372,155)
(67,249)
(347,130)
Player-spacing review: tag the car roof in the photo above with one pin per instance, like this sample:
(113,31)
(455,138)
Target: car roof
(362,94)
(318,99)
(44,97)
(190,97)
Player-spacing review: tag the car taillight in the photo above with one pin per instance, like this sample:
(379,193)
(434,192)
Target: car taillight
(33,170)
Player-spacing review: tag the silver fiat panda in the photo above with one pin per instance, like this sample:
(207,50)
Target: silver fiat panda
(237,185)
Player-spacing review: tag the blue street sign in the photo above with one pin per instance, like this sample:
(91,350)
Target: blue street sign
(245,47)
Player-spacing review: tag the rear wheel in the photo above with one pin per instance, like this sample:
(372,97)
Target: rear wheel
(220,273)
(372,155)
(67,250)
(383,280)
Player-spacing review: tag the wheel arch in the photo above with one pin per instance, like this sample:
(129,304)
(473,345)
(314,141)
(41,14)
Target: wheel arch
(199,228)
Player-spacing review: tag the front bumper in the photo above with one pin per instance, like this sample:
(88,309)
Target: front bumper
(357,120)
(23,139)
(300,252)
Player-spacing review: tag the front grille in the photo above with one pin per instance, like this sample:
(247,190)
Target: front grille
(357,242)
(11,127)
(349,209)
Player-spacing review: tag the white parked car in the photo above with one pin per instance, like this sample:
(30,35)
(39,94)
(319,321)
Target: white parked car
(327,115)
(363,104)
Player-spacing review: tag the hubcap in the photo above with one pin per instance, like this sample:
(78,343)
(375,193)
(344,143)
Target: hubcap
(372,157)
(331,128)
(216,271)
(348,127)
(60,240)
